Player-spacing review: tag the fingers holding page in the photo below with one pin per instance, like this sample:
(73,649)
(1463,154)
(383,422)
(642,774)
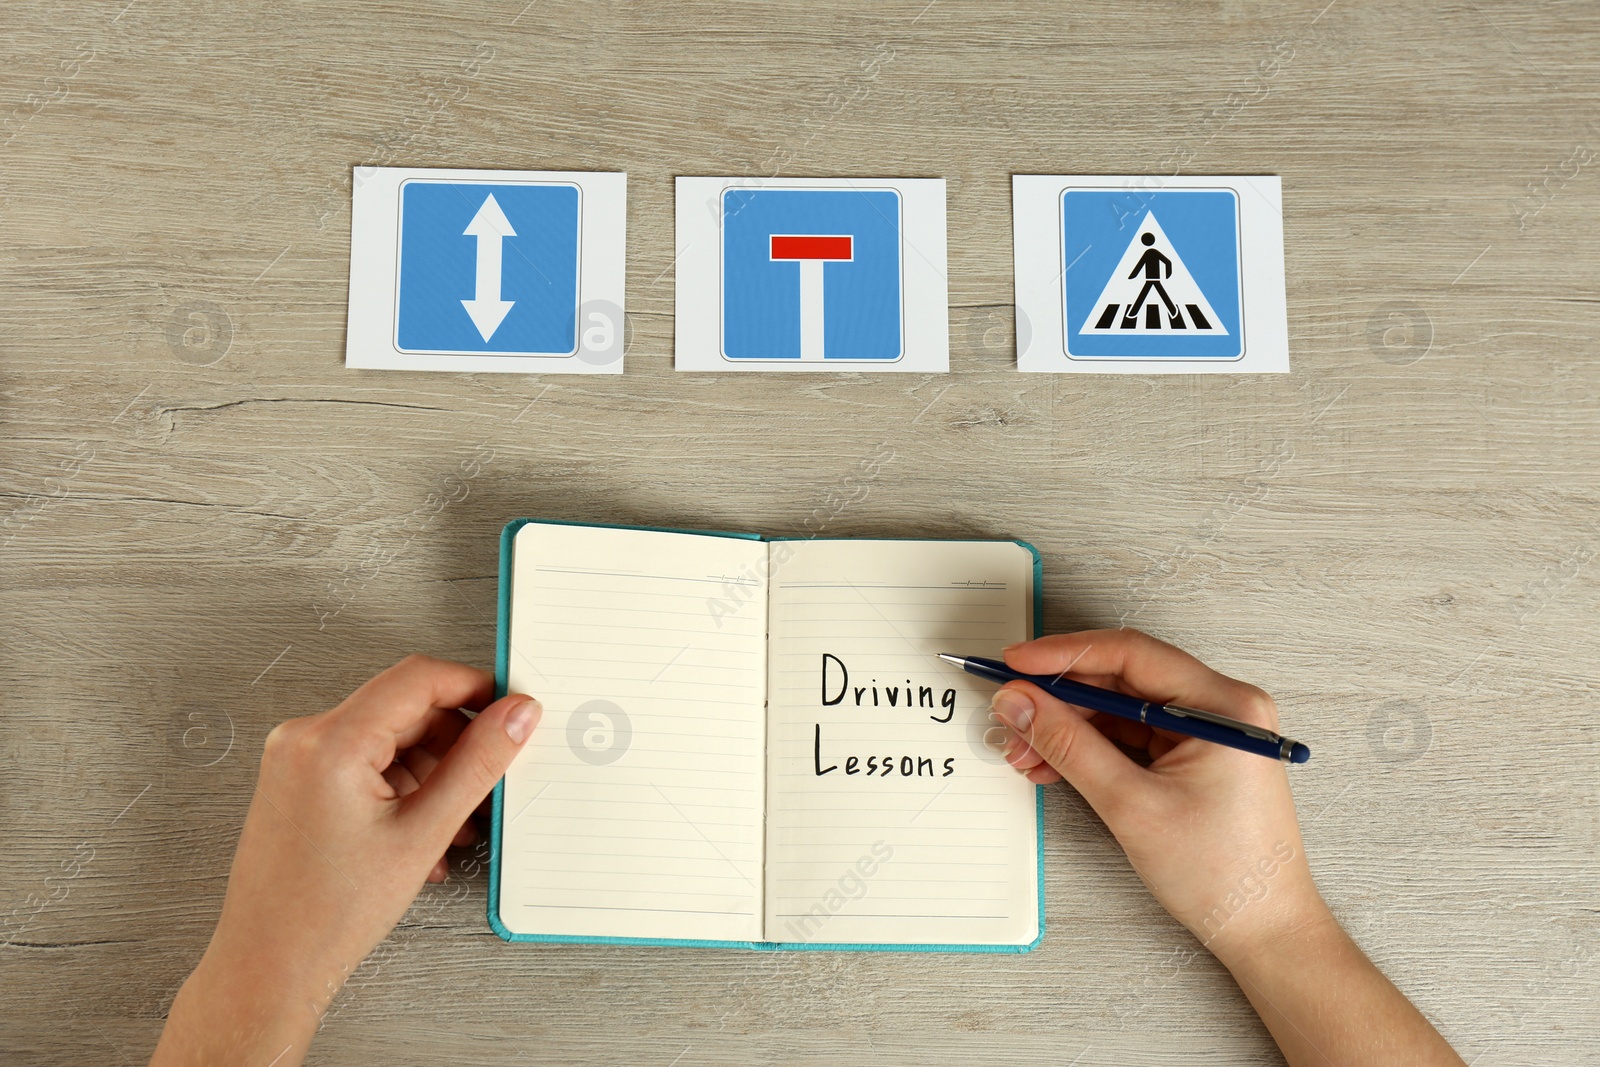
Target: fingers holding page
(415,698)
(436,732)
(466,774)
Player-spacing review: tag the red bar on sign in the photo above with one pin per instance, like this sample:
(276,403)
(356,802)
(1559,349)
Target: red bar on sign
(793,247)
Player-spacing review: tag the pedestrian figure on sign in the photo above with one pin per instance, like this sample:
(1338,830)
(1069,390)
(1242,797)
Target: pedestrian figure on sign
(1151,265)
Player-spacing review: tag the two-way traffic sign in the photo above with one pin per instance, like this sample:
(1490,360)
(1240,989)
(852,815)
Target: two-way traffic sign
(502,271)
(488,268)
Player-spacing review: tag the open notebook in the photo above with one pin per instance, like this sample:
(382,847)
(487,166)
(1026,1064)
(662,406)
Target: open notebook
(750,743)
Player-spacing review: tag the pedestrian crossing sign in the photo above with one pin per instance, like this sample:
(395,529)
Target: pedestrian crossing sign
(1149,274)
(1156,274)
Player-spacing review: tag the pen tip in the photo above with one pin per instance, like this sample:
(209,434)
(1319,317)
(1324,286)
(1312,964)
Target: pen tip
(957,660)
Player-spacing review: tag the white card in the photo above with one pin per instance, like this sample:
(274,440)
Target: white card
(811,274)
(1119,274)
(487,270)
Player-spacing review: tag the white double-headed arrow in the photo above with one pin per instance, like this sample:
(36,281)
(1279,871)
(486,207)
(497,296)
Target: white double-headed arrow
(489,226)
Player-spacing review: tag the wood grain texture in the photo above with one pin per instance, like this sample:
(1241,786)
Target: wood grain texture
(210,525)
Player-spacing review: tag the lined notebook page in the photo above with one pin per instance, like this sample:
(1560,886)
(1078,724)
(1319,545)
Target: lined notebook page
(943,848)
(636,808)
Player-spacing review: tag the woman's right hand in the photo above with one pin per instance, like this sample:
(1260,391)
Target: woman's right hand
(1211,830)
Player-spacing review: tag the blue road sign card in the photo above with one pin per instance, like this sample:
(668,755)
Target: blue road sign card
(494,242)
(811,274)
(1149,275)
(487,270)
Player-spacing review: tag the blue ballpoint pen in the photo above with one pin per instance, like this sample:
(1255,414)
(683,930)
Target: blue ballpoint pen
(1205,725)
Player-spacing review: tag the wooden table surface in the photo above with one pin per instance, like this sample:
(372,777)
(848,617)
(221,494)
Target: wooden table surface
(210,525)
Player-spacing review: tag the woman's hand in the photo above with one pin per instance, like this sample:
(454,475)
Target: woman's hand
(353,812)
(1211,830)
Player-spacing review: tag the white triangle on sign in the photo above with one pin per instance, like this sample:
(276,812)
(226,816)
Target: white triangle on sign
(1152,293)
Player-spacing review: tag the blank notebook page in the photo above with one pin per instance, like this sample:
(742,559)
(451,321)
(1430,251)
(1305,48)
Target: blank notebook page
(635,810)
(944,854)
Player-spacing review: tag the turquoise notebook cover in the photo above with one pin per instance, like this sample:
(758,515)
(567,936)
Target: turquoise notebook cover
(502,656)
